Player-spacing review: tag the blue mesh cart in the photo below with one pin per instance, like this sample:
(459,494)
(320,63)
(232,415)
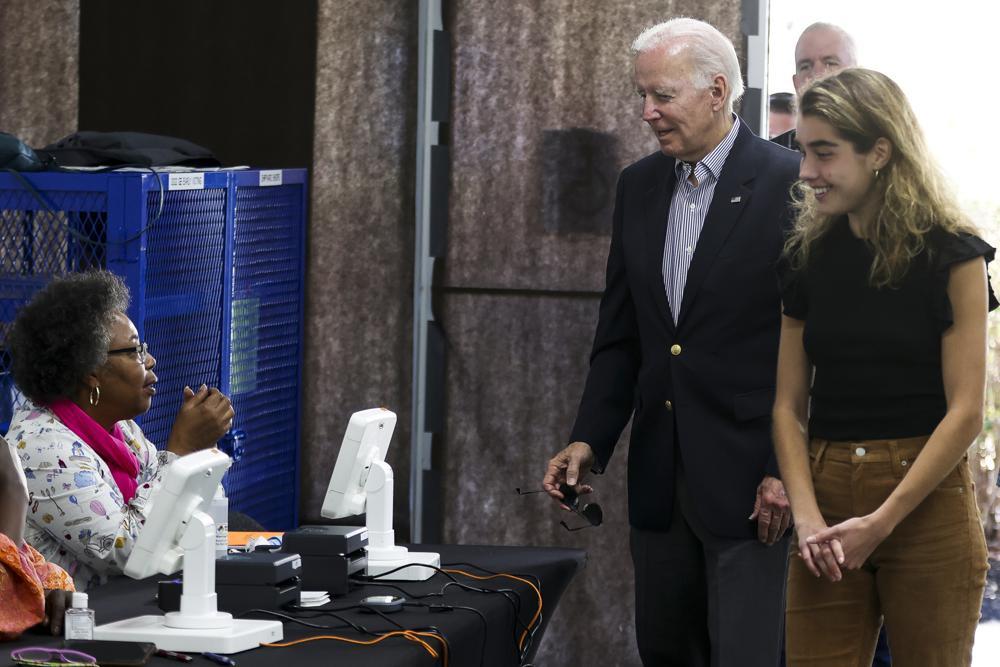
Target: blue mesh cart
(214,261)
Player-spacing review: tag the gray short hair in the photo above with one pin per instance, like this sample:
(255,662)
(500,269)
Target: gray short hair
(711,52)
(849,46)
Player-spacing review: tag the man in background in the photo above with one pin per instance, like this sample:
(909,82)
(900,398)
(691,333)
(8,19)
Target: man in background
(822,49)
(780,114)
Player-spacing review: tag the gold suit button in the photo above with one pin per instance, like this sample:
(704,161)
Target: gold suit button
(675,349)
(668,405)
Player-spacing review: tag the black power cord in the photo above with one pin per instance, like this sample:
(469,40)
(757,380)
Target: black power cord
(515,602)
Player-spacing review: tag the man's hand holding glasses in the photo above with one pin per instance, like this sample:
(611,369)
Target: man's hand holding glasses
(569,467)
(562,482)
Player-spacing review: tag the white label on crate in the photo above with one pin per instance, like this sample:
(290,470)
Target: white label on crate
(186,181)
(270,177)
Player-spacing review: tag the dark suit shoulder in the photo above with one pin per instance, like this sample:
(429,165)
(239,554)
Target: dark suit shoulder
(645,173)
(772,159)
(651,163)
(786,139)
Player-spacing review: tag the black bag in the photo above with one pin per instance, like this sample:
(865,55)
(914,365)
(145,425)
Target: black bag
(15,154)
(98,149)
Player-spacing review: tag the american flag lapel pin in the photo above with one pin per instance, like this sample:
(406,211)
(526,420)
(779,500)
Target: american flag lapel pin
(735,200)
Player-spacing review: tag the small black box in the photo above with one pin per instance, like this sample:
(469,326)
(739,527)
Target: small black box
(332,573)
(257,568)
(253,580)
(235,598)
(325,540)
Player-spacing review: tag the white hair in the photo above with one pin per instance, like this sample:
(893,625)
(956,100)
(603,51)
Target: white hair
(711,52)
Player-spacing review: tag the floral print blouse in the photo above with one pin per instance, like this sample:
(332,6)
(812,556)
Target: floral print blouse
(77,517)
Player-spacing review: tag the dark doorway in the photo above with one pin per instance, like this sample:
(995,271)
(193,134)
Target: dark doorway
(236,76)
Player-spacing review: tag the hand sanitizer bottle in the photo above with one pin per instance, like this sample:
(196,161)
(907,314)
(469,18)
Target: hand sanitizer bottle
(79,619)
(219,511)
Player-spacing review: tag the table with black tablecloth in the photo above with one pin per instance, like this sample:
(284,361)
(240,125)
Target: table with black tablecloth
(471,641)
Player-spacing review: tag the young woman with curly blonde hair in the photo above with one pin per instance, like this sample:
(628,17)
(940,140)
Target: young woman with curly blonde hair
(881,380)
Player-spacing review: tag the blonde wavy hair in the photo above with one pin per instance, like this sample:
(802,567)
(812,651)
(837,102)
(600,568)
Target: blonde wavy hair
(863,105)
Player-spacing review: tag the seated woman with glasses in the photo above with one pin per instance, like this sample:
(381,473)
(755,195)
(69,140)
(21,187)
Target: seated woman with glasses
(89,469)
(32,590)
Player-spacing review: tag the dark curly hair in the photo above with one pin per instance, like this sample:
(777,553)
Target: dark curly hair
(63,333)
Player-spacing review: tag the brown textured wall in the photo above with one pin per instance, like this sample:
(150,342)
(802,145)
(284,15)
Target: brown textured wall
(39,82)
(359,271)
(514,376)
(543,118)
(523,71)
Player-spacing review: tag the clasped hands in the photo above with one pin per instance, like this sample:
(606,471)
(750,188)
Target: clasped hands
(828,551)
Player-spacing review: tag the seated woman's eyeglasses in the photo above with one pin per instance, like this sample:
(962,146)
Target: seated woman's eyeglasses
(591,511)
(41,656)
(139,350)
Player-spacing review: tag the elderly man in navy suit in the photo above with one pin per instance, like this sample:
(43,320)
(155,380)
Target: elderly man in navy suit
(686,345)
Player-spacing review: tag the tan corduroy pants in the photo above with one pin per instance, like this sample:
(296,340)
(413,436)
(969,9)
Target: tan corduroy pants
(925,580)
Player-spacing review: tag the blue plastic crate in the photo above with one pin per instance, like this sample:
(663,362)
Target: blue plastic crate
(214,262)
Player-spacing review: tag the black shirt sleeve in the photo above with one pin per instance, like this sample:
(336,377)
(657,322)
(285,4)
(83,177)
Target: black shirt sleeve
(794,299)
(954,249)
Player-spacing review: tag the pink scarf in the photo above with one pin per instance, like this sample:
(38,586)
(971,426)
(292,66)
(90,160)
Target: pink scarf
(109,446)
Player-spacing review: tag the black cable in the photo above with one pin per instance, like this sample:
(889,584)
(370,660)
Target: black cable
(385,617)
(319,608)
(405,593)
(156,217)
(429,628)
(345,623)
(531,639)
(506,592)
(533,578)
(448,608)
(50,208)
(515,608)
(403,567)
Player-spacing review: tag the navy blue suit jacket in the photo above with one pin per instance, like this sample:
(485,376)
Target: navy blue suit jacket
(706,385)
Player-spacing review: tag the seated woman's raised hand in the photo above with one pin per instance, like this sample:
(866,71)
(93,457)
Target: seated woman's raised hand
(204,417)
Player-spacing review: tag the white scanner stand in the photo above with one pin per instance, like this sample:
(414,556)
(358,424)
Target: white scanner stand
(199,625)
(383,554)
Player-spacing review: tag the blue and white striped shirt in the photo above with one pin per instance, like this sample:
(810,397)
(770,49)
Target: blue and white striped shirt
(686,217)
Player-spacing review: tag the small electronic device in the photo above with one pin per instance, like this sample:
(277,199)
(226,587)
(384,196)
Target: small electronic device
(362,482)
(330,555)
(254,580)
(325,540)
(383,603)
(178,532)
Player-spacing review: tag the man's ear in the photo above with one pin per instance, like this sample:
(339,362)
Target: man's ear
(719,91)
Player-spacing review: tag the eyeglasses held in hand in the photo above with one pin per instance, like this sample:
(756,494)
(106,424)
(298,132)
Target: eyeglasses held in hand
(43,656)
(590,511)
